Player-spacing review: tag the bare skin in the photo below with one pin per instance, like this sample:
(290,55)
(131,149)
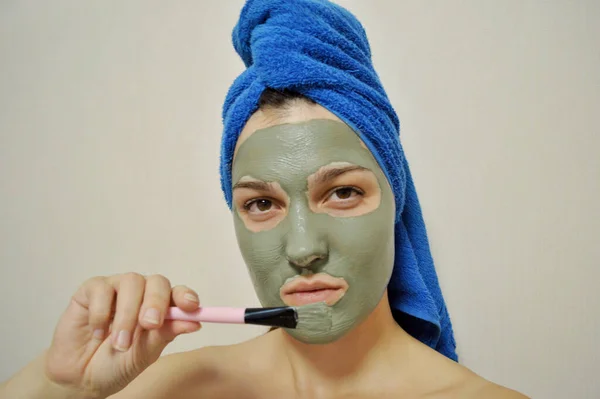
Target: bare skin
(375,360)
(388,364)
(86,359)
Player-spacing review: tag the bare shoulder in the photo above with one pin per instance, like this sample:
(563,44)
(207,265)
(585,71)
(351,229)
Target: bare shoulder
(494,391)
(444,378)
(208,372)
(177,375)
(471,385)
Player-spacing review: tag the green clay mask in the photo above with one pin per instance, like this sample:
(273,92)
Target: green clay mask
(294,222)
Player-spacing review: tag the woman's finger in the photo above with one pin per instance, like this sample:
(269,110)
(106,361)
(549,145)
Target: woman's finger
(101,296)
(130,291)
(157,297)
(185,298)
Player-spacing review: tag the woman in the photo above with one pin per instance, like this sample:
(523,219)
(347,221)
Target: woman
(320,194)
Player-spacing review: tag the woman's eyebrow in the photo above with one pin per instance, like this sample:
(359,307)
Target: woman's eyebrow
(323,176)
(254,185)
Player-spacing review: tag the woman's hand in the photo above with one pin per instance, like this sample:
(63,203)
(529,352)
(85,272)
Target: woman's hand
(113,329)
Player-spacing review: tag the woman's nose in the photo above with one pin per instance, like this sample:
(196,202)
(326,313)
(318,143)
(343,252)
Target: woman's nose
(306,246)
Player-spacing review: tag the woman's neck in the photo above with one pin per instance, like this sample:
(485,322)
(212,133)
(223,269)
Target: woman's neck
(356,354)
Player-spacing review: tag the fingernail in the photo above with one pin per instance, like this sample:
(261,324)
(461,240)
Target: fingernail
(191,297)
(98,334)
(152,316)
(123,340)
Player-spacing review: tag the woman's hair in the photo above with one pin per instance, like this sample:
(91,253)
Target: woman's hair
(280,99)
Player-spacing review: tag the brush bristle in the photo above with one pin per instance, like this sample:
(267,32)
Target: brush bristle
(314,317)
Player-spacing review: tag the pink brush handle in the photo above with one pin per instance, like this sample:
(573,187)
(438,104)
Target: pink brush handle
(209,315)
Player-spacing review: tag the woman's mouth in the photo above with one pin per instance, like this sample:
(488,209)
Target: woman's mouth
(320,287)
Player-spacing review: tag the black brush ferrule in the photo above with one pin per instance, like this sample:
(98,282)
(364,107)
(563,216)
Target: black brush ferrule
(275,317)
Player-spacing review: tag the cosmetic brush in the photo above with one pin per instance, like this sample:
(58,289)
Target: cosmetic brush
(316,316)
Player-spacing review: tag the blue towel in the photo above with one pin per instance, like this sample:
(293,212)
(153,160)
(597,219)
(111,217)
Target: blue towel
(320,50)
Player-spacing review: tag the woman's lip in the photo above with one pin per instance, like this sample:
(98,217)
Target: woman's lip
(328,295)
(320,287)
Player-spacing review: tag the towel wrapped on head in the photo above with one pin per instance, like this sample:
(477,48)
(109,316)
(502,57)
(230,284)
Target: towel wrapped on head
(320,50)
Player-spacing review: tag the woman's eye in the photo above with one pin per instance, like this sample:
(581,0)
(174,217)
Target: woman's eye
(345,193)
(259,205)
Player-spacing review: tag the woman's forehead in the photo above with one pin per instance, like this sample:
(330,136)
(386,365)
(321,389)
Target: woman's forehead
(299,149)
(300,111)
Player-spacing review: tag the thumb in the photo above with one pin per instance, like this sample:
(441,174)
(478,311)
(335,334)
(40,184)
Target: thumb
(157,340)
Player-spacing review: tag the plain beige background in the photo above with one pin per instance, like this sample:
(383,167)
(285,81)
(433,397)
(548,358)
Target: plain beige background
(109,144)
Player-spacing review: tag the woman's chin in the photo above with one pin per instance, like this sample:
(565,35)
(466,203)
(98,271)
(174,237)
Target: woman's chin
(314,338)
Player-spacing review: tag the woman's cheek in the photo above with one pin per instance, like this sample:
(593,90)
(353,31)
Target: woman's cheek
(263,255)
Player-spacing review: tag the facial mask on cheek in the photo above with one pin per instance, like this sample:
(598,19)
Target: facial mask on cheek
(358,249)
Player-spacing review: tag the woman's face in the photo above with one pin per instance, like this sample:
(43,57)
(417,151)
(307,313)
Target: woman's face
(314,216)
